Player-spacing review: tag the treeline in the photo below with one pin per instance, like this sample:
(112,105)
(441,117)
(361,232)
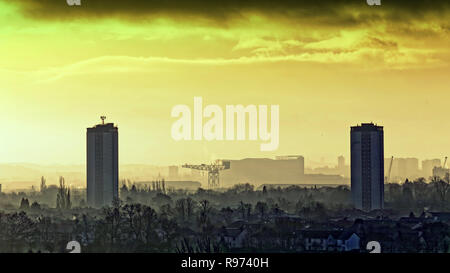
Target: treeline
(156,219)
(47,196)
(414,195)
(418,195)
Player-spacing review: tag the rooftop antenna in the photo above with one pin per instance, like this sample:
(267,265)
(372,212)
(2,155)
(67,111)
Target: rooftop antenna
(103,119)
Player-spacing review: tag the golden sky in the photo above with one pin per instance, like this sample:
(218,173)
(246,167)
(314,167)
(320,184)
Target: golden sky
(328,66)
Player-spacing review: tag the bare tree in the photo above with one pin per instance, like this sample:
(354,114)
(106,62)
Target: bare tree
(242,209)
(205,209)
(189,207)
(43,184)
(442,186)
(180,208)
(150,218)
(63,195)
(261,208)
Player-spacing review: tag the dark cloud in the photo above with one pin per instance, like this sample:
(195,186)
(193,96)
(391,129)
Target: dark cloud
(323,11)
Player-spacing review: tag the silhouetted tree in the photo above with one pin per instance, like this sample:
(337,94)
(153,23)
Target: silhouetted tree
(35,206)
(261,208)
(24,204)
(205,209)
(43,184)
(63,195)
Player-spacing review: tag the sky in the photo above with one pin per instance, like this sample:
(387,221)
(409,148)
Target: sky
(328,65)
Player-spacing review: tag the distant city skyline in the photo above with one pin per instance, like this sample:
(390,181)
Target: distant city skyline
(321,162)
(24,175)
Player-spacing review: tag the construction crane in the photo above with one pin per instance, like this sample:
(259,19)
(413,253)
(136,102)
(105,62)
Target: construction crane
(212,170)
(390,169)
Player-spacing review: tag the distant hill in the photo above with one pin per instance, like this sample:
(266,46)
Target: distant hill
(19,176)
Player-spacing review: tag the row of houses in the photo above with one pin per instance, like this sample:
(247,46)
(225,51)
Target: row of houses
(430,232)
(331,241)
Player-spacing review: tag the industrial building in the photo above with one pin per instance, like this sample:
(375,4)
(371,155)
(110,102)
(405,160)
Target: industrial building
(281,170)
(102,164)
(367,166)
(264,170)
(428,167)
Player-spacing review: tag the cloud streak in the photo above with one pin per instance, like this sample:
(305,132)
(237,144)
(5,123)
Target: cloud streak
(374,59)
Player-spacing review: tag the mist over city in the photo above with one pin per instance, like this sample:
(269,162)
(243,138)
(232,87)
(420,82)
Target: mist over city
(25,177)
(245,205)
